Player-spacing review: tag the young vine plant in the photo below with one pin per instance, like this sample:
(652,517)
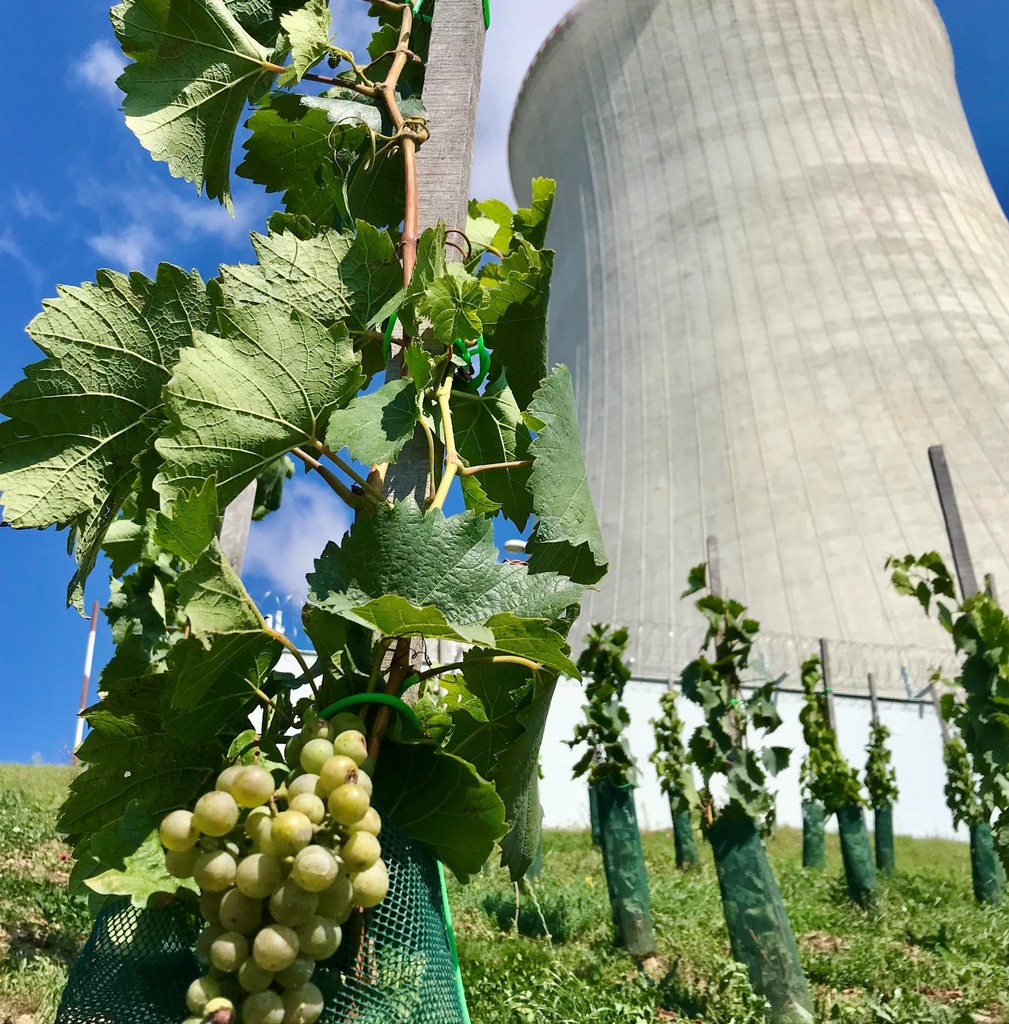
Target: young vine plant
(880,776)
(722,745)
(603,732)
(827,777)
(349,344)
(672,765)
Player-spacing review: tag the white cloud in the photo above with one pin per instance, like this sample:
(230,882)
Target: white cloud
(283,547)
(31,206)
(100,66)
(10,247)
(518,30)
(129,249)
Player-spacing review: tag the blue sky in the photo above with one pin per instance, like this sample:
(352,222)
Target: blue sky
(78,192)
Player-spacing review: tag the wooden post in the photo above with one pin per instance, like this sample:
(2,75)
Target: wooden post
(714,567)
(943,724)
(874,700)
(954,524)
(828,683)
(989,586)
(235,527)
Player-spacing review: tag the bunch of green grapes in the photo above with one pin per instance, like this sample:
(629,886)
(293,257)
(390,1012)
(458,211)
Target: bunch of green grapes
(280,869)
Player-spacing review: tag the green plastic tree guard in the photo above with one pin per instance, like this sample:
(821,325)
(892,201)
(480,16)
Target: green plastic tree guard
(814,853)
(856,852)
(687,856)
(760,933)
(624,864)
(594,814)
(883,835)
(986,871)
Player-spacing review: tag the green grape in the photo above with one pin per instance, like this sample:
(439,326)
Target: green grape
(364,781)
(260,819)
(214,871)
(371,822)
(310,805)
(217,1005)
(314,755)
(353,744)
(180,863)
(215,813)
(360,851)
(253,786)
(346,721)
(314,868)
(227,778)
(291,832)
(275,947)
(337,771)
(240,913)
(294,747)
(305,783)
(370,885)
(258,875)
(206,939)
(200,992)
(292,905)
(336,901)
(210,906)
(263,1008)
(229,951)
(348,804)
(297,974)
(177,831)
(303,1005)
(319,937)
(318,729)
(253,978)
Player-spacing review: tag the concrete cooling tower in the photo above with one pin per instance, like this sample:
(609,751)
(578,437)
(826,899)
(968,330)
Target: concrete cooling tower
(782,275)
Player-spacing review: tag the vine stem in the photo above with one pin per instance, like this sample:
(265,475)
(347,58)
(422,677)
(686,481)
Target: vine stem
(285,642)
(452,464)
(351,472)
(401,667)
(497,659)
(473,470)
(334,482)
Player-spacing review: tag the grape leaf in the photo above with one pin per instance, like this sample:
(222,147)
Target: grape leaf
(394,616)
(489,429)
(476,498)
(80,416)
(531,222)
(533,639)
(566,538)
(296,150)
(515,318)
(238,402)
(334,277)
(461,826)
(454,303)
(214,598)
(195,68)
(192,525)
(261,18)
(374,427)
(142,876)
(308,30)
(429,559)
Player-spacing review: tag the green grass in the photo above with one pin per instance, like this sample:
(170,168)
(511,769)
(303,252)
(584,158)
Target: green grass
(932,955)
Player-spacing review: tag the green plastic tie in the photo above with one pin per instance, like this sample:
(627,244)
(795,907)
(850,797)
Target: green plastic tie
(372,698)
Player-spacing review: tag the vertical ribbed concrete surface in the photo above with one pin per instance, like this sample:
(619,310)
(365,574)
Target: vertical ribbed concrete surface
(782,274)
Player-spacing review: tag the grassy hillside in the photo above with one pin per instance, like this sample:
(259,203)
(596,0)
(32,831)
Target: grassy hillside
(932,956)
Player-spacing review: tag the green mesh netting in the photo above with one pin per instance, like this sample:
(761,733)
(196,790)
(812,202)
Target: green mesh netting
(594,814)
(986,871)
(859,867)
(883,834)
(760,933)
(624,865)
(396,964)
(683,841)
(814,849)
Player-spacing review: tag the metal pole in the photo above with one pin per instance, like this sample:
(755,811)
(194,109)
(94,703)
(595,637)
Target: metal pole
(89,657)
(828,683)
(954,524)
(874,700)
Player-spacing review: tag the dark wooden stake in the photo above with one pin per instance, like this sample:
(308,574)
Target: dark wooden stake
(828,683)
(954,524)
(874,699)
(943,724)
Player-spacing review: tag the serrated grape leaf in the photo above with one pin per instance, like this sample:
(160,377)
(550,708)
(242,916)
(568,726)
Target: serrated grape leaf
(213,597)
(335,277)
(395,616)
(533,639)
(775,759)
(429,559)
(374,427)
(566,538)
(343,109)
(270,487)
(531,222)
(475,497)
(195,68)
(515,318)
(489,429)
(80,417)
(489,224)
(454,303)
(192,524)
(296,150)
(460,827)
(239,401)
(308,30)
(261,18)
(143,875)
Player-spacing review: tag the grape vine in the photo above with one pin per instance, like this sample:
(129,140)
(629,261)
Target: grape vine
(670,756)
(351,334)
(880,777)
